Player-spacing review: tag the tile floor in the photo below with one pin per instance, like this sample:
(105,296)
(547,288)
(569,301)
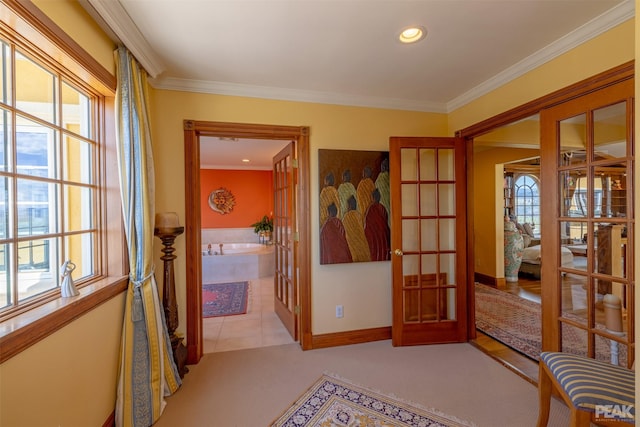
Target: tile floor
(259,327)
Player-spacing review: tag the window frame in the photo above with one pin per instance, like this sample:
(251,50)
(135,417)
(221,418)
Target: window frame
(30,28)
(536,182)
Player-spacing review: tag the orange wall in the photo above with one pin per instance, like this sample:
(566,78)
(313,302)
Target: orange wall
(253,192)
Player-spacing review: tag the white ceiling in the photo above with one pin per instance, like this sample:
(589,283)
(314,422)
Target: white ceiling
(346,52)
(218,154)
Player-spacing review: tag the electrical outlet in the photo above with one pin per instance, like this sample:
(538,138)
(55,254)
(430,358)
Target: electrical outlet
(339,311)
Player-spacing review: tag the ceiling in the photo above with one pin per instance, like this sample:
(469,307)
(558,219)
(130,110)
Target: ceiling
(346,52)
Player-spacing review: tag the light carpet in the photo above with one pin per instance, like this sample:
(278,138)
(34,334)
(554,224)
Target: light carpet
(336,402)
(251,388)
(515,322)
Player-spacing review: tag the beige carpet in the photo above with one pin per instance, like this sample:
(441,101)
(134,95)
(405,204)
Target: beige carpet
(251,388)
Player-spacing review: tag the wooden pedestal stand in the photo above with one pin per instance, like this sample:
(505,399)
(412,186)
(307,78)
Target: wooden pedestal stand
(168,236)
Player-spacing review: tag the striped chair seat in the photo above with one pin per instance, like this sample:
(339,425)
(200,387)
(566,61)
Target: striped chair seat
(590,384)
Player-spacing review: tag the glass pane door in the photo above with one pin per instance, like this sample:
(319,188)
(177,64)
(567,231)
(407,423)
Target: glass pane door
(592,231)
(429,247)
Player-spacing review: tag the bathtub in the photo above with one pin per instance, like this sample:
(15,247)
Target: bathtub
(238,262)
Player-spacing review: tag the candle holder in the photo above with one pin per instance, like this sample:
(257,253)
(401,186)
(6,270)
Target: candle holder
(167,234)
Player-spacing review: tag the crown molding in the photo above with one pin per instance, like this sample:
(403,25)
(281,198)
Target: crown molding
(613,17)
(119,23)
(284,94)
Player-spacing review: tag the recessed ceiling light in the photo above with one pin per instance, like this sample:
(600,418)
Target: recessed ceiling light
(245,160)
(412,34)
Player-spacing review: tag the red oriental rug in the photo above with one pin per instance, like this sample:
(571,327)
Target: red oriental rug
(515,322)
(224,299)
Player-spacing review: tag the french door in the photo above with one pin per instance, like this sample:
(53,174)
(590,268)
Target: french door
(284,238)
(428,240)
(587,224)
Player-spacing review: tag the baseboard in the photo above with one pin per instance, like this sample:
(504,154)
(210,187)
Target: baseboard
(489,280)
(111,421)
(350,337)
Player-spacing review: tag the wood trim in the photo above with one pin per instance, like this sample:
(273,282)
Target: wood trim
(193,129)
(193,243)
(351,337)
(486,279)
(33,24)
(304,244)
(583,87)
(111,421)
(470,267)
(21,332)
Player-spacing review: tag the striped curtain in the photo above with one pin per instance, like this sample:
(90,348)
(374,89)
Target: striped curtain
(147,370)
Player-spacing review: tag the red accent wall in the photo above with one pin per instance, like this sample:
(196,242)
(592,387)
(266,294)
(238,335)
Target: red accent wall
(253,192)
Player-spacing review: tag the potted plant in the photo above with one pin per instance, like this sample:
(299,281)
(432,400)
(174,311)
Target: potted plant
(263,228)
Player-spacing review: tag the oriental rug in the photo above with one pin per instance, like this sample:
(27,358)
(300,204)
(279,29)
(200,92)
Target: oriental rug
(336,402)
(515,322)
(224,299)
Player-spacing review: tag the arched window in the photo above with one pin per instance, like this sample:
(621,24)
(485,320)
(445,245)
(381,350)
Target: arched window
(527,201)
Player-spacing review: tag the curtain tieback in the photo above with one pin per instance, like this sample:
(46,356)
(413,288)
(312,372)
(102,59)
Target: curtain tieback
(137,309)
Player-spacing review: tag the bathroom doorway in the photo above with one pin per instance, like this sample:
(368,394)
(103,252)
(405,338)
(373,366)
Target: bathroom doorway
(194,131)
(238,254)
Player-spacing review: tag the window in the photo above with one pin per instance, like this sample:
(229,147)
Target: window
(58,187)
(527,201)
(48,167)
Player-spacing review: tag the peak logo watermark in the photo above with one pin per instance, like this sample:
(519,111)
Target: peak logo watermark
(614,413)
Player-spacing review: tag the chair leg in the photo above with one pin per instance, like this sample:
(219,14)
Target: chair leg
(544,393)
(579,418)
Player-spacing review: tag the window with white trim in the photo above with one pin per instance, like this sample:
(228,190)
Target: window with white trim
(527,200)
(50,176)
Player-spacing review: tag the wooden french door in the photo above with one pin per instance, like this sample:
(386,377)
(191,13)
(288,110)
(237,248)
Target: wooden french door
(284,238)
(428,240)
(587,164)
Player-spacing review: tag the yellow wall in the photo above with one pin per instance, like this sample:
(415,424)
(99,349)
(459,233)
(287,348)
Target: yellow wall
(599,54)
(67,379)
(363,289)
(76,22)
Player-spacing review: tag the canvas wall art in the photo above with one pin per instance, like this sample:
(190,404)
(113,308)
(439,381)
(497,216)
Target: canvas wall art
(354,206)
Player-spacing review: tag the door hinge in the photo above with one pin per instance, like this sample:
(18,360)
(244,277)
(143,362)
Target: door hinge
(294,163)
(296,309)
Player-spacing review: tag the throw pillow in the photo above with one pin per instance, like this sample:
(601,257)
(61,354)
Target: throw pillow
(528,229)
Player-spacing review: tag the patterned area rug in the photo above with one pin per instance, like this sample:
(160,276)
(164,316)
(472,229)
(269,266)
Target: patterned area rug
(515,322)
(224,299)
(334,402)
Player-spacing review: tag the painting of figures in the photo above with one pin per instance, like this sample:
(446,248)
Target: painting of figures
(354,206)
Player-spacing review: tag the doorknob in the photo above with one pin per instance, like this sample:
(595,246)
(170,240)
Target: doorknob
(398,252)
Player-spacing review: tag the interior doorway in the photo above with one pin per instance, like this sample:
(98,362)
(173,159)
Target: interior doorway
(193,130)
(246,259)
(499,125)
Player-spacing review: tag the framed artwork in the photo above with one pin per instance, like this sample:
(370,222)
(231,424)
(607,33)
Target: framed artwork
(222,201)
(354,206)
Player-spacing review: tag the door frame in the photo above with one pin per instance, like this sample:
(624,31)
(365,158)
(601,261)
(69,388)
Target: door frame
(193,129)
(594,83)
